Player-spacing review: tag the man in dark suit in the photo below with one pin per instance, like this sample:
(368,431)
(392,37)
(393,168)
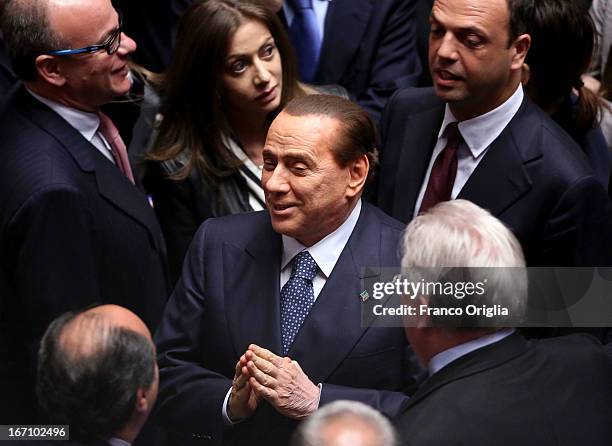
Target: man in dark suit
(489,385)
(265,324)
(97,373)
(475,136)
(74,228)
(367,46)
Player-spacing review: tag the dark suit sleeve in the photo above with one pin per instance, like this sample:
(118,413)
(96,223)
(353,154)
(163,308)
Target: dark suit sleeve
(52,235)
(395,64)
(50,239)
(190,396)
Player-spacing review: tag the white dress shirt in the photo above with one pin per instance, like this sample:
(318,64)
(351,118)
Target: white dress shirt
(325,253)
(114,441)
(478,134)
(256,193)
(85,123)
(320,10)
(444,358)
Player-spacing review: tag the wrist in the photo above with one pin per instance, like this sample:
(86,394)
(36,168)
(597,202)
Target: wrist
(233,417)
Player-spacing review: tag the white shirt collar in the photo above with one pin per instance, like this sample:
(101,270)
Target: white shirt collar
(444,358)
(479,132)
(114,441)
(84,122)
(327,250)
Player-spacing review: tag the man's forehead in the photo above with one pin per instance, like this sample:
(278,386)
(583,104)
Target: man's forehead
(82,22)
(305,127)
(473,11)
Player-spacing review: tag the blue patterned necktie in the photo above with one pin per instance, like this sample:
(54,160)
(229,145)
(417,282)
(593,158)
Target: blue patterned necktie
(306,39)
(297,297)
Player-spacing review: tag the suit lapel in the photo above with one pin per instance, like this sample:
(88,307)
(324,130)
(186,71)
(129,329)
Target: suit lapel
(111,183)
(474,362)
(421,132)
(333,325)
(501,178)
(338,48)
(252,301)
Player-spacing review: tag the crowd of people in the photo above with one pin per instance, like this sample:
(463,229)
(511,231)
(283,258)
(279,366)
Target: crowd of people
(188,216)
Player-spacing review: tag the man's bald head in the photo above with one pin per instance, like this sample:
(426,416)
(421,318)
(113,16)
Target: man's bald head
(92,368)
(88,332)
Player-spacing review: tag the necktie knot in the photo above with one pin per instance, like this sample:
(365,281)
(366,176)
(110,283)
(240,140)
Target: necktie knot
(299,5)
(453,135)
(442,176)
(304,266)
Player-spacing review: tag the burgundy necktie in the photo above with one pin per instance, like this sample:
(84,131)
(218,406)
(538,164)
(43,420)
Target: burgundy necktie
(111,134)
(442,177)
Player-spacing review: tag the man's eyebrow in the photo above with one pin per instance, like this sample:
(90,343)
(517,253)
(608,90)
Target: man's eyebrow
(111,32)
(107,36)
(462,30)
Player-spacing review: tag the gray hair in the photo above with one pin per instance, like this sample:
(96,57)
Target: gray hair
(310,432)
(459,241)
(27,34)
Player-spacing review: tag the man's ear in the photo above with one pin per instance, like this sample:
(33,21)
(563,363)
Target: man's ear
(525,74)
(142,402)
(521,47)
(49,69)
(358,170)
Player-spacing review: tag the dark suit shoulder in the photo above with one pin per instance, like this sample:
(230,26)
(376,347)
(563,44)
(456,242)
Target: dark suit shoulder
(237,228)
(415,99)
(383,218)
(578,350)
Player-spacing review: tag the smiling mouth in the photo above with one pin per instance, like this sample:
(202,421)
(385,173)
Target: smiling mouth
(280,207)
(123,70)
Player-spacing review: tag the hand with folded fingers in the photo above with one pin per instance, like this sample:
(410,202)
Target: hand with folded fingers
(281,382)
(243,400)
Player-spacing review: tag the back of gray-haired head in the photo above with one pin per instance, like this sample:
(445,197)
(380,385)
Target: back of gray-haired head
(458,240)
(345,423)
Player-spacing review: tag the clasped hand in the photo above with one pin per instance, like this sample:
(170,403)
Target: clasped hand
(280,381)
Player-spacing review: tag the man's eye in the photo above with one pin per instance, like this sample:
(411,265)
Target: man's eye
(436,31)
(269,165)
(299,167)
(473,41)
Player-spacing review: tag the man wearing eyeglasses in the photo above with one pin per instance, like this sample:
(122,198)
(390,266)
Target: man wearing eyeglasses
(74,227)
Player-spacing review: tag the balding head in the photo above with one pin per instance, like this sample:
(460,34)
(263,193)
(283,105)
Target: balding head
(88,332)
(97,373)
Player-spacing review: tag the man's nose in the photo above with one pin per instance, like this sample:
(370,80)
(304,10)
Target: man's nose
(127,46)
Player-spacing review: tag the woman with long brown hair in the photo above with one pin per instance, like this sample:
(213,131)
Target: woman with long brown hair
(563,37)
(233,70)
